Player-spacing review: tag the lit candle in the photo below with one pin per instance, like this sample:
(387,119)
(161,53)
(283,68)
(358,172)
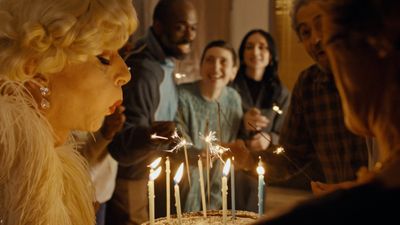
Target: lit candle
(203,192)
(224,190)
(154,164)
(150,184)
(260,171)
(168,186)
(177,178)
(233,188)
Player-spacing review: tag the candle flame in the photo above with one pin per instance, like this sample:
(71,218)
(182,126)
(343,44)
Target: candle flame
(260,170)
(178,175)
(227,167)
(155,163)
(155,173)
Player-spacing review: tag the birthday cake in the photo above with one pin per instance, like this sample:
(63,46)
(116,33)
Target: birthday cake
(213,217)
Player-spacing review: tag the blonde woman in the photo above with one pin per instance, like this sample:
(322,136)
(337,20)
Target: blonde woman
(59,71)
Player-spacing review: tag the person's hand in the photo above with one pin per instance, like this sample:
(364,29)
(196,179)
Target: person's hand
(320,188)
(113,123)
(254,121)
(259,142)
(363,176)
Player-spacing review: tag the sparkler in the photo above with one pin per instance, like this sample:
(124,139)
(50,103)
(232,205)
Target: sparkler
(281,151)
(208,139)
(182,143)
(155,136)
(276,108)
(213,151)
(258,131)
(180,76)
(216,151)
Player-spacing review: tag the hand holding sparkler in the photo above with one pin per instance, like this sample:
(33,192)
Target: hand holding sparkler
(259,141)
(279,150)
(254,116)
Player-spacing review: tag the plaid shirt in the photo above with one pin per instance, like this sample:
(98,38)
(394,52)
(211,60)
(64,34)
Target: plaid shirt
(314,129)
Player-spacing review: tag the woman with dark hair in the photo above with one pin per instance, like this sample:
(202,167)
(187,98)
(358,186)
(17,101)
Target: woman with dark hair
(264,100)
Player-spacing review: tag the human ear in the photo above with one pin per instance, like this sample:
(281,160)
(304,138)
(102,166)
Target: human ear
(39,89)
(30,67)
(41,79)
(38,85)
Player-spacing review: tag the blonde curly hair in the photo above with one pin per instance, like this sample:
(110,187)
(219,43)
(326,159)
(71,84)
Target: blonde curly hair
(53,33)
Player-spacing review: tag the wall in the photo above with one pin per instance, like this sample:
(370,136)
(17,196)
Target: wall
(293,57)
(247,15)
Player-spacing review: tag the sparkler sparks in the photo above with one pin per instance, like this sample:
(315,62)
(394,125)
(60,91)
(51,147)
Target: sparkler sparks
(216,151)
(277,109)
(155,136)
(180,75)
(180,142)
(279,150)
(210,138)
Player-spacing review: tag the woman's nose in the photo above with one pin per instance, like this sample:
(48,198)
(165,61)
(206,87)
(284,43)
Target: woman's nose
(254,51)
(123,74)
(217,66)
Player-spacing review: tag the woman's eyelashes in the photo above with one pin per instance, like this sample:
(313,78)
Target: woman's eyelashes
(103,60)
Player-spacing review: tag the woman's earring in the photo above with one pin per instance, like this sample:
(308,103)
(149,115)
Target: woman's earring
(44,103)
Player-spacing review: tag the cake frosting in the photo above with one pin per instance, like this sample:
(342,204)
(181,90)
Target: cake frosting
(213,217)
